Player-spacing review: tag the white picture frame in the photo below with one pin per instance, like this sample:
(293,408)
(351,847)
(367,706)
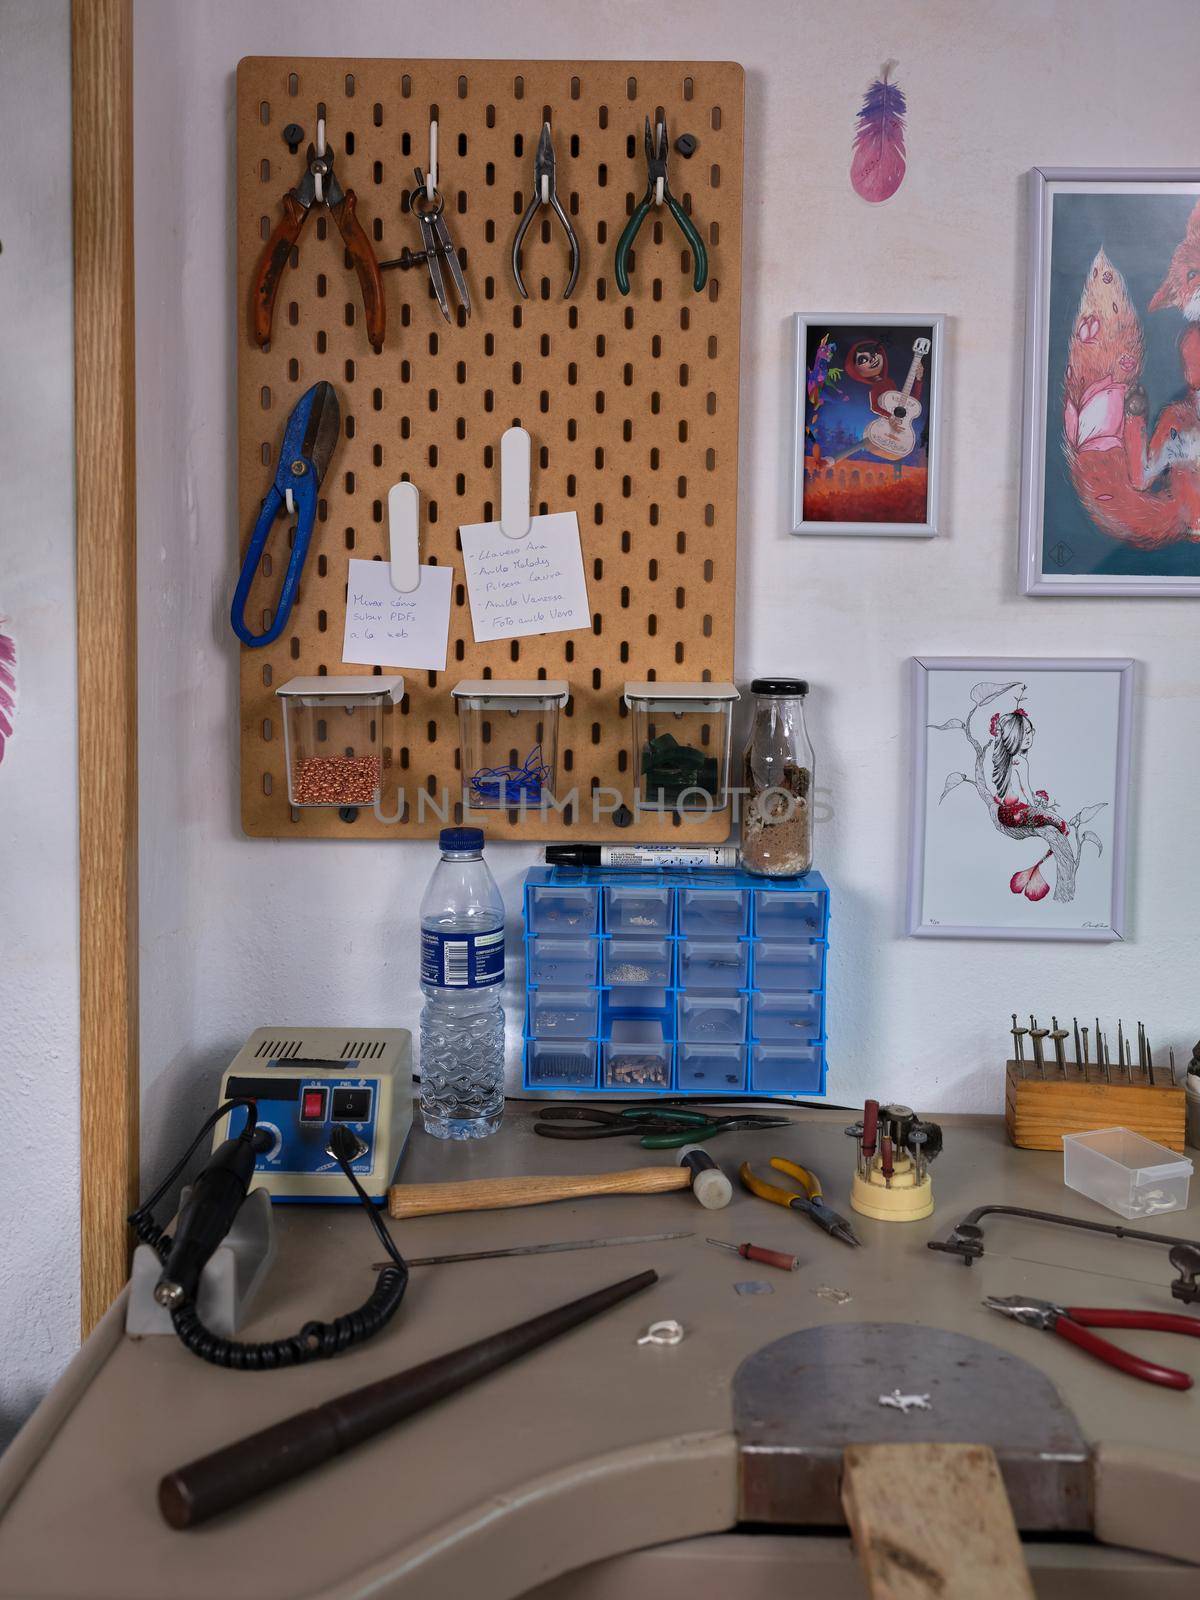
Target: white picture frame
(959,859)
(1137,217)
(886,478)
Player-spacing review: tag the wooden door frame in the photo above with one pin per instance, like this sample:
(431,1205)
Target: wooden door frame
(106,599)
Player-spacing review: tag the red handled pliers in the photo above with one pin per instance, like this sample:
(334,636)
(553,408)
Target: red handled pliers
(1073,1322)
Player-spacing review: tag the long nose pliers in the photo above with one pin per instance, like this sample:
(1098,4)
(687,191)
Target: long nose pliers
(318,186)
(658,190)
(545,193)
(308,442)
(807,1200)
(1073,1322)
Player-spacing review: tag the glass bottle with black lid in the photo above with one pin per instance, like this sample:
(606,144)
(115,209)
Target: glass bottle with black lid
(777,780)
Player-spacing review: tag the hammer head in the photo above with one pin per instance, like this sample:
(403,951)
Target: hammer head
(709,1184)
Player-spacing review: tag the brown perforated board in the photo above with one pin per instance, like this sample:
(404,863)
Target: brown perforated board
(632,403)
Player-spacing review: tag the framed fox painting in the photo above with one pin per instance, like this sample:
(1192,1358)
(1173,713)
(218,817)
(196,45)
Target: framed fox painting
(1110,480)
(867,420)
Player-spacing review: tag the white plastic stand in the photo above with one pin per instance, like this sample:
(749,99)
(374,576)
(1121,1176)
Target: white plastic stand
(228,1283)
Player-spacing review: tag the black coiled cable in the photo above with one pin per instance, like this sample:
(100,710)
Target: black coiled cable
(316,1341)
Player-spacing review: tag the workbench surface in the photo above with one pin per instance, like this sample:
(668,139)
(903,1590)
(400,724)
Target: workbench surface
(592,1445)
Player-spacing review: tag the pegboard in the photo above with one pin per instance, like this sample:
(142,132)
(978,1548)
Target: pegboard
(631,402)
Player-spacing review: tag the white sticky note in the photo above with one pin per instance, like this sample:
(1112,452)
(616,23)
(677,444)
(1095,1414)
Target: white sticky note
(525,586)
(387,627)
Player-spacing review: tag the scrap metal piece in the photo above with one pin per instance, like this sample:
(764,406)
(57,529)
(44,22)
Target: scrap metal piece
(666,1332)
(753,1286)
(906,1402)
(800,1401)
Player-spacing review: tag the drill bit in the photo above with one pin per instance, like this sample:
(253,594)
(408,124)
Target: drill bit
(1057,1036)
(1103,1057)
(1078,1056)
(1149,1061)
(886,1164)
(1036,1035)
(1171,1053)
(1120,1044)
(1018,1034)
(1086,1062)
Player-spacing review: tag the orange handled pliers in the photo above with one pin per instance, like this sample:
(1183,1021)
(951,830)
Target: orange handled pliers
(808,1201)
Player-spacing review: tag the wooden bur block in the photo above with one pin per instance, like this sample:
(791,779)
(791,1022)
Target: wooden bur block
(1038,1111)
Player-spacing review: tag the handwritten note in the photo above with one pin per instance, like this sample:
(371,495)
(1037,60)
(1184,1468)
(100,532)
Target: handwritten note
(525,586)
(388,628)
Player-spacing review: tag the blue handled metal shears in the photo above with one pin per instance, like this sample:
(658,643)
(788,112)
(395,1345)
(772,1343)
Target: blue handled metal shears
(308,442)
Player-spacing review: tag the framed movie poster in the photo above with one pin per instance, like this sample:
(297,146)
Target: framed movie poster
(1110,479)
(1020,798)
(868,404)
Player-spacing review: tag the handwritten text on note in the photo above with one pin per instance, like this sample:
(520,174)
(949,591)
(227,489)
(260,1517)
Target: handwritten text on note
(525,586)
(386,627)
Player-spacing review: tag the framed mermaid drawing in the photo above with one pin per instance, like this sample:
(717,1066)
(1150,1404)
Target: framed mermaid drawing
(1020,798)
(1110,478)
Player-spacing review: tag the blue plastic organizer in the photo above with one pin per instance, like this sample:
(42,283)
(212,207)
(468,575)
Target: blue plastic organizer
(705,983)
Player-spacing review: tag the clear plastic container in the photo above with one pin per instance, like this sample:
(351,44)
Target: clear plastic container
(785,1069)
(561,1063)
(563,1013)
(638,1056)
(712,1068)
(789,914)
(713,912)
(1126,1172)
(333,737)
(681,737)
(561,963)
(508,738)
(567,910)
(712,1018)
(637,961)
(714,964)
(788,966)
(786,1016)
(637,909)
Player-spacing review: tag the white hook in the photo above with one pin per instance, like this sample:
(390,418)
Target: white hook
(544,187)
(404,522)
(515,459)
(431,171)
(318,181)
(660,185)
(289,501)
(668,1332)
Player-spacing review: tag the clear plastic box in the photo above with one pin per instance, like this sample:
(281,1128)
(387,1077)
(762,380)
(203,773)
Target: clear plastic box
(567,910)
(638,1056)
(788,966)
(561,963)
(637,961)
(786,1069)
(508,737)
(561,1063)
(714,963)
(333,737)
(681,737)
(637,908)
(563,1013)
(712,1068)
(712,1018)
(789,914)
(713,912)
(786,1016)
(1126,1172)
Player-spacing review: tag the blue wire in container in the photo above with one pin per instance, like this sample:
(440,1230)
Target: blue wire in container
(512,786)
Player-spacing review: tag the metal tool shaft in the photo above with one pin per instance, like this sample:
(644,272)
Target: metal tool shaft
(533,1250)
(247,1468)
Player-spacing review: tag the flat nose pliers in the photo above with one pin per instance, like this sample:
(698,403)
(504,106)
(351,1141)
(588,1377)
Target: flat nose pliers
(308,442)
(318,186)
(545,193)
(1073,1322)
(658,190)
(808,1200)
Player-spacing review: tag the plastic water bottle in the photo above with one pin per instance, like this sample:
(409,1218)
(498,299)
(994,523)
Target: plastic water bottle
(462,977)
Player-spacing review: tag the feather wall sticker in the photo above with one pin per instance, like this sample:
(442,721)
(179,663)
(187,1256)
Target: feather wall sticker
(8,689)
(877,166)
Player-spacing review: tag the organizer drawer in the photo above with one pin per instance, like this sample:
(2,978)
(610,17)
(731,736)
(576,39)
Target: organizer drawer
(714,963)
(792,967)
(637,908)
(712,1068)
(561,963)
(569,910)
(786,1016)
(563,1013)
(712,1018)
(560,1063)
(714,912)
(789,914)
(637,961)
(638,1056)
(785,1068)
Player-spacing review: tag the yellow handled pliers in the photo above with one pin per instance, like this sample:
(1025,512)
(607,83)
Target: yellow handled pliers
(808,1200)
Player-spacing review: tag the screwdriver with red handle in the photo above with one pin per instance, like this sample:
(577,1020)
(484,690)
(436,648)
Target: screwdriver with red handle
(759,1252)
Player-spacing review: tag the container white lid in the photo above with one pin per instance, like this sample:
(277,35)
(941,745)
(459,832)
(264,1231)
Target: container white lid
(513,689)
(345,686)
(680,691)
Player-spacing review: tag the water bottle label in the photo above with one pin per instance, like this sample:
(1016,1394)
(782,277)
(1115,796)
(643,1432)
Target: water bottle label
(461,960)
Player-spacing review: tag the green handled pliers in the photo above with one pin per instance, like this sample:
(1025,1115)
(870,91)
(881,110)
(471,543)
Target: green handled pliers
(658,189)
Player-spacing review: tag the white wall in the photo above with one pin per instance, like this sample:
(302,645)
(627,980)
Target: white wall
(238,933)
(39,835)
